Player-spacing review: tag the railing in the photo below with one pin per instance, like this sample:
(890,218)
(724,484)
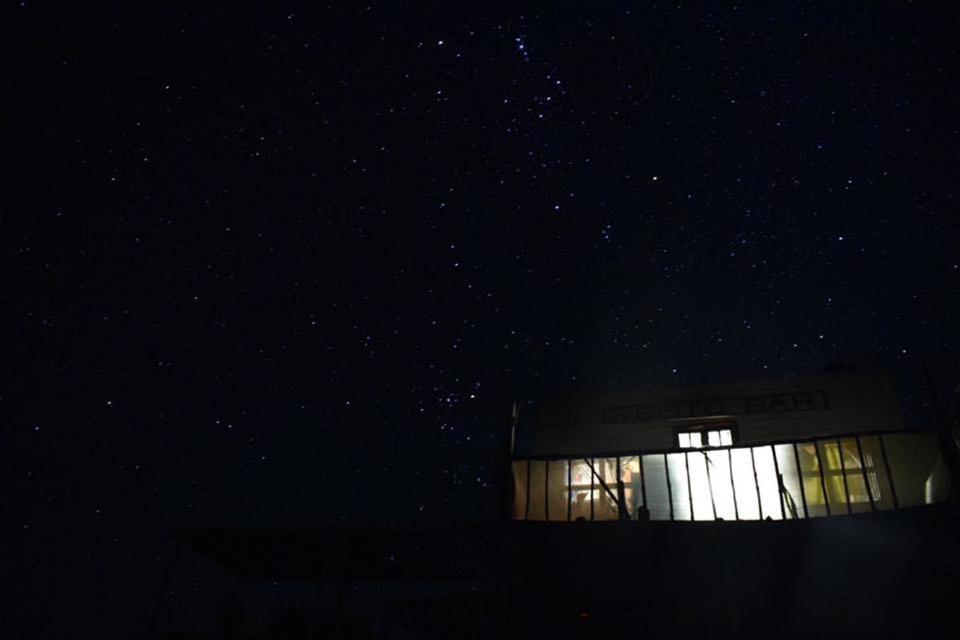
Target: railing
(805,478)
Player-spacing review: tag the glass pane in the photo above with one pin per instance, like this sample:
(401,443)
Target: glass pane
(684,440)
(769,486)
(557,490)
(726,438)
(743,481)
(695,440)
(654,474)
(605,493)
(580,490)
(719,469)
(519,489)
(829,455)
(632,483)
(856,486)
(790,481)
(812,486)
(713,438)
(876,472)
(678,485)
(538,485)
(700,486)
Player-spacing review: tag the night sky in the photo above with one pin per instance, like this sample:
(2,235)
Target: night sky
(287,266)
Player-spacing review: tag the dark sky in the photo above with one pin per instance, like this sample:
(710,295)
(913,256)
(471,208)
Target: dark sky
(286,266)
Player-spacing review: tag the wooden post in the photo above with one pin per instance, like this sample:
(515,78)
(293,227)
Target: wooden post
(866,479)
(733,486)
(843,473)
(803,491)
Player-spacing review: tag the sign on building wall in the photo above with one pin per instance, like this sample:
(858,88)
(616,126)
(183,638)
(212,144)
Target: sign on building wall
(706,407)
(768,409)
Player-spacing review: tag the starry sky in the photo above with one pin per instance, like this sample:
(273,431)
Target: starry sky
(287,265)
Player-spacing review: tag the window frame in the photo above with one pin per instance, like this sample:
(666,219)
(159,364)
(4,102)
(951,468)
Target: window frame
(704,428)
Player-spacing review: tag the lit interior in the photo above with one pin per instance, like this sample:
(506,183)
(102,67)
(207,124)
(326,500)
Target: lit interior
(707,479)
(705,438)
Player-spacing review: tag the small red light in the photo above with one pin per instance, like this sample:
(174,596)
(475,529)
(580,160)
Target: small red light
(584,615)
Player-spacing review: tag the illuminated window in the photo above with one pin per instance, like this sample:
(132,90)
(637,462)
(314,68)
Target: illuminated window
(718,434)
(582,483)
(592,492)
(712,478)
(835,467)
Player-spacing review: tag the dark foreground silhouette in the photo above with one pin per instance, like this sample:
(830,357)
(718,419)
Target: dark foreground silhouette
(876,574)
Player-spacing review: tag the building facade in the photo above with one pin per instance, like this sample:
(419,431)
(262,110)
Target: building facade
(772,449)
